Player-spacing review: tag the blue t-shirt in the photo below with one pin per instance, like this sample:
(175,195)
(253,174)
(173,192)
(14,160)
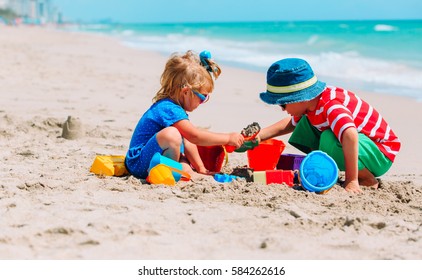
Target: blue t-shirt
(161,114)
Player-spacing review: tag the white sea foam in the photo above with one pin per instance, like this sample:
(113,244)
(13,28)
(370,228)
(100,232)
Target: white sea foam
(375,74)
(312,40)
(259,55)
(384,28)
(128,32)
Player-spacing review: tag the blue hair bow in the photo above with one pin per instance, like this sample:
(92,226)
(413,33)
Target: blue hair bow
(204,56)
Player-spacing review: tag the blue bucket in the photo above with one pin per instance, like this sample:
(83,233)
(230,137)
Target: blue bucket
(318,172)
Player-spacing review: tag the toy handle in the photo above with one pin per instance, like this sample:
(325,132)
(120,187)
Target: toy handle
(185,176)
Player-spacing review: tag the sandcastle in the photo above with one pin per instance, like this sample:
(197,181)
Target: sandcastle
(73,128)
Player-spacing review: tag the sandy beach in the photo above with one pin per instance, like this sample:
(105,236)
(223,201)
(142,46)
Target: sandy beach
(52,207)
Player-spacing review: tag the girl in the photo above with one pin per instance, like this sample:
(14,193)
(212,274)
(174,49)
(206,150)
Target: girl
(187,82)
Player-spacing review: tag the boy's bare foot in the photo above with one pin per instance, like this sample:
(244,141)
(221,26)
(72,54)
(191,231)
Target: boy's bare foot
(367,179)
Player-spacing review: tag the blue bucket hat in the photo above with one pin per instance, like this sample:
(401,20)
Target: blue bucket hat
(291,80)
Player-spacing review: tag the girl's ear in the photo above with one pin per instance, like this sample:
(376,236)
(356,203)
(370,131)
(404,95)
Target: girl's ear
(185,90)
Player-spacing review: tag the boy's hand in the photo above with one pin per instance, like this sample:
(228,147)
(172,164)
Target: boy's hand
(247,145)
(353,187)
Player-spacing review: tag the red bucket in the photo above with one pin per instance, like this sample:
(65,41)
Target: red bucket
(213,157)
(265,156)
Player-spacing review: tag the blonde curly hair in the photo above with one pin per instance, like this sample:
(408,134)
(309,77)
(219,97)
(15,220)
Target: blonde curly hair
(185,70)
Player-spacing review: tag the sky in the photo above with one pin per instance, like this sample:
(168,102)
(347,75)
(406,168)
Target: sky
(171,11)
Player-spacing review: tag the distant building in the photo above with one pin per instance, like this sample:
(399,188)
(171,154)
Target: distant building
(3,4)
(33,11)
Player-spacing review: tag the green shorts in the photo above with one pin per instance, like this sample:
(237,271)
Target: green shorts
(307,138)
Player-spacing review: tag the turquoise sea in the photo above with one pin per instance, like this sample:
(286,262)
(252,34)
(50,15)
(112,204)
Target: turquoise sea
(379,56)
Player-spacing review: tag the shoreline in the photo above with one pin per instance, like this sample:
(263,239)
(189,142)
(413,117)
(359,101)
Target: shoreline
(376,65)
(54,208)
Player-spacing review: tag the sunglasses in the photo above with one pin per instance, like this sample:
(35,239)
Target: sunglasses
(202,97)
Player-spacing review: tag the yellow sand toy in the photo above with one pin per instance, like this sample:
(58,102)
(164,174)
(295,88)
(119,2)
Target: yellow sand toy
(163,170)
(111,165)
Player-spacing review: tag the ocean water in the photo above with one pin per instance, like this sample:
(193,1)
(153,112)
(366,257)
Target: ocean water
(378,56)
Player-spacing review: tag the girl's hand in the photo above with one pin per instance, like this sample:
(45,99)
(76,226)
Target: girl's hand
(236,139)
(209,173)
(205,171)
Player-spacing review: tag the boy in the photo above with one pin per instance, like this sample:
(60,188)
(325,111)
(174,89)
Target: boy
(330,119)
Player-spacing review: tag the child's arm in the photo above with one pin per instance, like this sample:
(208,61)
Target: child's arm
(277,129)
(350,150)
(192,154)
(207,138)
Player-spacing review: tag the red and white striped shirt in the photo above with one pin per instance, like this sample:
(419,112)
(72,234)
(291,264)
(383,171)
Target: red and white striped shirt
(339,109)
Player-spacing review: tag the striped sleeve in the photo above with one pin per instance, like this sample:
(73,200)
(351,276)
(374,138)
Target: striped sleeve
(339,118)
